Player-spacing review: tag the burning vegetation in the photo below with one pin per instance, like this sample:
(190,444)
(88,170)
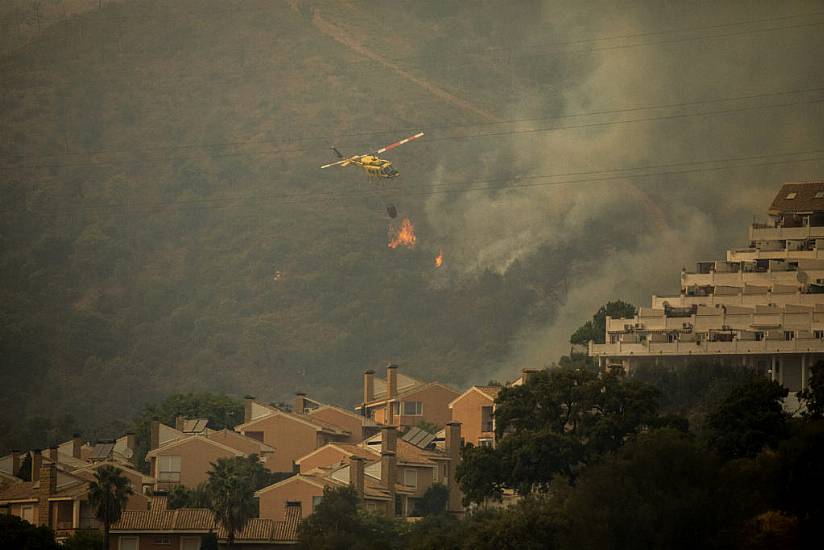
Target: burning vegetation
(403,236)
(439,259)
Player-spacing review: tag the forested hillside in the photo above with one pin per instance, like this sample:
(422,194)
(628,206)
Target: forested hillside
(165,226)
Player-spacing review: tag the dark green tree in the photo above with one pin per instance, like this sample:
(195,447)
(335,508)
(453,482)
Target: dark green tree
(231,496)
(434,500)
(19,533)
(749,419)
(595,330)
(108,495)
(813,395)
(479,474)
(85,540)
(209,542)
(536,522)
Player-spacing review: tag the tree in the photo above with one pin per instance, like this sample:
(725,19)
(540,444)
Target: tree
(434,500)
(209,542)
(595,330)
(19,533)
(750,418)
(231,496)
(181,497)
(85,540)
(813,394)
(108,495)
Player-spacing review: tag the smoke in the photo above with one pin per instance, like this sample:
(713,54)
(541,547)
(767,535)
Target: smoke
(656,224)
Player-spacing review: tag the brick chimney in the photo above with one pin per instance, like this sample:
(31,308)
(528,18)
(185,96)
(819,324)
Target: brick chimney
(356,479)
(453,451)
(48,487)
(300,403)
(77,445)
(368,386)
(389,439)
(154,434)
(131,442)
(179,422)
(53,454)
(391,392)
(389,473)
(247,408)
(36,464)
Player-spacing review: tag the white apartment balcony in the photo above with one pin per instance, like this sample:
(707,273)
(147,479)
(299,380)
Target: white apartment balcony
(750,300)
(761,232)
(736,347)
(752,254)
(739,279)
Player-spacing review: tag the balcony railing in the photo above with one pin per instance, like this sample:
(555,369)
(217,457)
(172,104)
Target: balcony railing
(738,347)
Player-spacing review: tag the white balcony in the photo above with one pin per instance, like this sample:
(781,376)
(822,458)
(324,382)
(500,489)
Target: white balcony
(758,233)
(739,347)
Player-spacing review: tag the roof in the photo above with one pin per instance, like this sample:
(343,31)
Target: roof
(365,420)
(202,520)
(307,419)
(799,198)
(344,448)
(231,434)
(490,392)
(29,490)
(406,452)
(190,439)
(409,391)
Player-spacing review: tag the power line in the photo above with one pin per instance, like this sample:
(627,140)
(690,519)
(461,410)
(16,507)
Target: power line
(481,185)
(97,164)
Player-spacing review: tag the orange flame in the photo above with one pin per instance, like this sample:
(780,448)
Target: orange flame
(439,259)
(405,236)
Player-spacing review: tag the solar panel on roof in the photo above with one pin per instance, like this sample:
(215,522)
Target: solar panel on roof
(102,451)
(418,438)
(426,441)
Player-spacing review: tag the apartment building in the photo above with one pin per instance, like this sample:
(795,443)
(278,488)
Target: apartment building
(762,306)
(402,401)
(291,435)
(475,409)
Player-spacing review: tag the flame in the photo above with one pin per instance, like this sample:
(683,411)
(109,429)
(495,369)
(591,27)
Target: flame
(439,259)
(405,236)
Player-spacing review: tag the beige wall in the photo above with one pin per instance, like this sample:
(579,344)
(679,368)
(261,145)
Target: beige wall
(435,400)
(244,444)
(273,502)
(347,422)
(150,542)
(290,438)
(467,411)
(424,477)
(196,457)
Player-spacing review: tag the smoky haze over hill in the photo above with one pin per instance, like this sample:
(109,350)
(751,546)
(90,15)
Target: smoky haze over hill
(166,225)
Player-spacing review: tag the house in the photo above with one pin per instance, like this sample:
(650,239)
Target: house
(184,529)
(187,461)
(762,306)
(402,401)
(474,409)
(291,435)
(391,475)
(57,498)
(360,427)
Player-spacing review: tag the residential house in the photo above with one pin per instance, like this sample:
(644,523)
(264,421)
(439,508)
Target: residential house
(185,528)
(475,409)
(187,461)
(57,498)
(402,401)
(291,435)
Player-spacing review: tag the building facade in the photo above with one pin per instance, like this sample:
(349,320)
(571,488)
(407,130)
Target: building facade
(762,306)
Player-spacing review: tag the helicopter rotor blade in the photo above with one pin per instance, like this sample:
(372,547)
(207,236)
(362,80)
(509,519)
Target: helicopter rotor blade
(343,162)
(399,143)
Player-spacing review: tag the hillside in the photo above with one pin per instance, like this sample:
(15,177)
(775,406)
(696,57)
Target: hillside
(166,227)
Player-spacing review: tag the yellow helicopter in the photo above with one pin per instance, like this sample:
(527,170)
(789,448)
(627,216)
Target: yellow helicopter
(374,166)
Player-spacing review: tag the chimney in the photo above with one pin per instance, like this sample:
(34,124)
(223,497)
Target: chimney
(391,381)
(48,487)
(453,451)
(131,442)
(389,474)
(77,445)
(179,422)
(368,386)
(300,403)
(154,434)
(15,461)
(356,479)
(53,455)
(295,467)
(36,464)
(389,439)
(247,408)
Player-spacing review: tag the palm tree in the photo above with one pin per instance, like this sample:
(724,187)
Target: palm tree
(108,495)
(231,496)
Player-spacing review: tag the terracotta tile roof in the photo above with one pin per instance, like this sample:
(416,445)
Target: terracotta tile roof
(151,520)
(415,455)
(803,198)
(287,530)
(159,503)
(193,519)
(356,450)
(491,391)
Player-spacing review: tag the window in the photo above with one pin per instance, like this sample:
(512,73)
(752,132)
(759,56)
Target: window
(485,442)
(412,408)
(791,196)
(168,468)
(789,335)
(410,477)
(162,541)
(127,543)
(190,543)
(819,334)
(486,418)
(315,501)
(27,513)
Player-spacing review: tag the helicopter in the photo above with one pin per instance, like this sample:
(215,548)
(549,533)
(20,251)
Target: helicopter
(375,166)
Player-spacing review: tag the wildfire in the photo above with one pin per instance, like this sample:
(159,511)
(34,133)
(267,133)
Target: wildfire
(405,236)
(439,259)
